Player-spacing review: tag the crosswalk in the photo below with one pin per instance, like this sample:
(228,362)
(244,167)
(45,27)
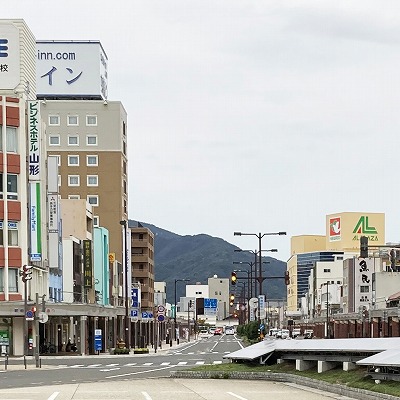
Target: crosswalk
(144,364)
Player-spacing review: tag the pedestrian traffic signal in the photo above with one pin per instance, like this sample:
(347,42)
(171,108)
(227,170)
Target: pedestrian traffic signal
(26,273)
(231,299)
(287,278)
(233,278)
(191,303)
(364,246)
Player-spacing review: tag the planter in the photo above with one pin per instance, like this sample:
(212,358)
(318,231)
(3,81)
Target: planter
(118,351)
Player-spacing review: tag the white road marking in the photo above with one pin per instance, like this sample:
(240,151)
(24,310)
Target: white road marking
(237,396)
(130,364)
(165,363)
(109,369)
(94,365)
(199,362)
(147,364)
(217,362)
(77,366)
(182,362)
(111,365)
(192,352)
(139,372)
(53,396)
(146,395)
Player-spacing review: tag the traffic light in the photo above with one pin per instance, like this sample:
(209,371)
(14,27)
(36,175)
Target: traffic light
(364,246)
(26,273)
(191,304)
(287,278)
(231,299)
(233,278)
(392,254)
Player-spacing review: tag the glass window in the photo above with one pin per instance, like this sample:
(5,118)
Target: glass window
(12,233)
(54,140)
(12,186)
(91,140)
(92,161)
(12,280)
(11,139)
(92,180)
(58,159)
(59,180)
(91,120)
(73,140)
(54,120)
(93,200)
(74,196)
(96,221)
(73,161)
(72,120)
(73,180)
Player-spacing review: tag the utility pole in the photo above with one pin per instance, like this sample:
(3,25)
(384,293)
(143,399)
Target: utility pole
(327,311)
(37,330)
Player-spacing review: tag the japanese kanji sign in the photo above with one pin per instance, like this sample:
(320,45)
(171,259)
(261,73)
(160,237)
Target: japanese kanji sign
(9,55)
(34,140)
(87,264)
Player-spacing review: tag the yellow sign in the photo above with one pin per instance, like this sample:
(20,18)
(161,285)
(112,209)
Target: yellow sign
(111,257)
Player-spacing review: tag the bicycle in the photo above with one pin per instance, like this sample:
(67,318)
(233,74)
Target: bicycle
(47,348)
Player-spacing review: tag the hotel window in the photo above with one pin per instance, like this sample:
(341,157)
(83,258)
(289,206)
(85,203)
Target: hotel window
(73,161)
(96,221)
(12,233)
(92,161)
(93,200)
(54,120)
(92,180)
(73,180)
(12,187)
(54,140)
(91,140)
(72,120)
(91,120)
(11,139)
(73,140)
(12,280)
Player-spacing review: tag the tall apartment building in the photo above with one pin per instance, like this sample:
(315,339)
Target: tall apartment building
(142,262)
(89,137)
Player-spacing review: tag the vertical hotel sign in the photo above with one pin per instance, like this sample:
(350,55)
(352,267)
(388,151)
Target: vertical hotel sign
(35,209)
(87,264)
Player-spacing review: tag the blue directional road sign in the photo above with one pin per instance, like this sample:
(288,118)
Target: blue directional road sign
(161,318)
(134,313)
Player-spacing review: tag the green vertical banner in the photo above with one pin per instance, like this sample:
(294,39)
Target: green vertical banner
(87,264)
(35,222)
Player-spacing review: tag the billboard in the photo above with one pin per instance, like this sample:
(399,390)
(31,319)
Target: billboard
(87,264)
(34,140)
(9,56)
(343,230)
(71,69)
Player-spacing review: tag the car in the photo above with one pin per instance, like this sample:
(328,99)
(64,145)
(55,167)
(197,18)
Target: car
(204,333)
(218,331)
(212,330)
(229,330)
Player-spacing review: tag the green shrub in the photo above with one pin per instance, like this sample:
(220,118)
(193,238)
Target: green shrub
(121,351)
(140,351)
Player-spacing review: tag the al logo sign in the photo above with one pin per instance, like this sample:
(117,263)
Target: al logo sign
(363,228)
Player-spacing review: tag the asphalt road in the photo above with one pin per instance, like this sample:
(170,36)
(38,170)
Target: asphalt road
(76,369)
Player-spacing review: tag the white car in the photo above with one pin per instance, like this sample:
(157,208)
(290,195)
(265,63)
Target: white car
(204,333)
(229,331)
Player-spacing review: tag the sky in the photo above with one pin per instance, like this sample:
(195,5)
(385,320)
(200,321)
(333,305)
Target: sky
(253,116)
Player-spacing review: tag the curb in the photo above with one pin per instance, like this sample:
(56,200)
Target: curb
(360,394)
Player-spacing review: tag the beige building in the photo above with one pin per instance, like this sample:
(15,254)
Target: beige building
(142,261)
(90,140)
(342,240)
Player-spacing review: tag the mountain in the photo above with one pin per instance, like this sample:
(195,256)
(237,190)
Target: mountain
(201,256)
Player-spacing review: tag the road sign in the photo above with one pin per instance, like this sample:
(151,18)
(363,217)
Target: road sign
(43,317)
(134,313)
(161,318)
(98,345)
(253,302)
(160,310)
(29,316)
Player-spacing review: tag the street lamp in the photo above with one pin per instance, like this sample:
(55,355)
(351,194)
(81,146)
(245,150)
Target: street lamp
(124,223)
(177,280)
(260,236)
(249,276)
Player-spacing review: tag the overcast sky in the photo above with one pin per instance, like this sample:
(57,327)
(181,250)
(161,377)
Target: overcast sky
(252,116)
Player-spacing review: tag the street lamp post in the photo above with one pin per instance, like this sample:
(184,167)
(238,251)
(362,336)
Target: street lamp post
(177,280)
(124,223)
(249,275)
(260,236)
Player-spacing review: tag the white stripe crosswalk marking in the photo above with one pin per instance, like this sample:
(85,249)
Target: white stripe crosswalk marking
(182,362)
(165,363)
(94,365)
(199,362)
(217,362)
(111,365)
(130,364)
(147,364)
